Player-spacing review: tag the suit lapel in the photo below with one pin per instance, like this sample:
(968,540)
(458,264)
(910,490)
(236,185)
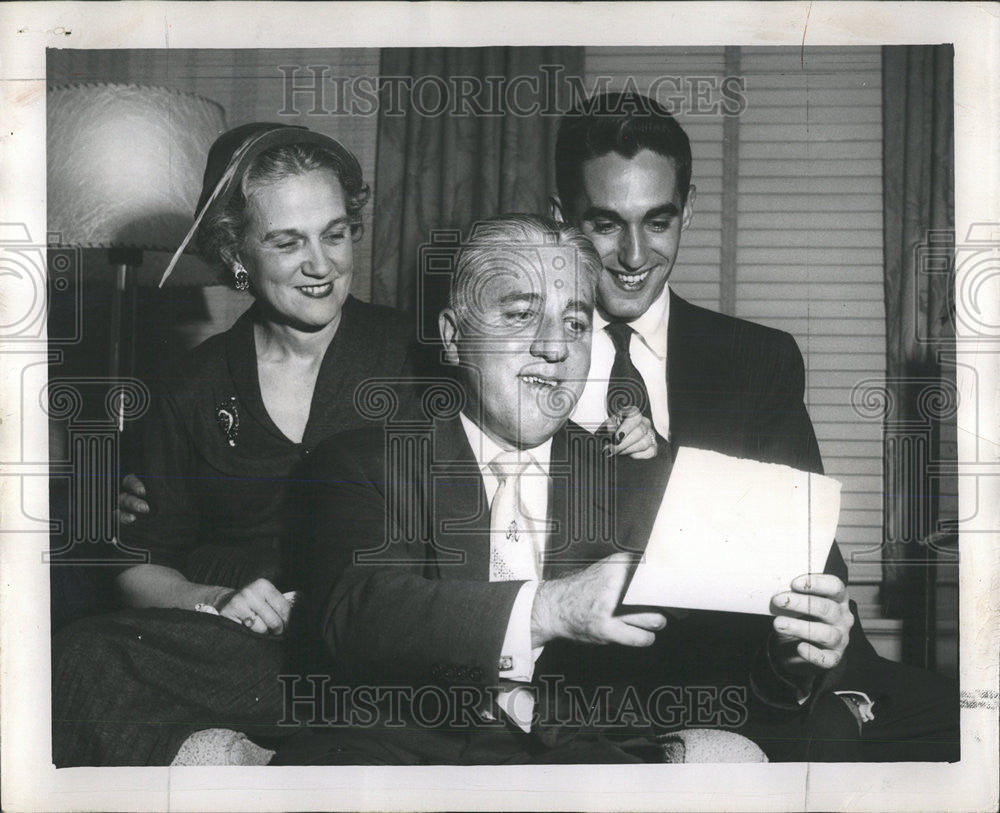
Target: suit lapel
(461,514)
(581,498)
(678,362)
(710,404)
(557,538)
(698,391)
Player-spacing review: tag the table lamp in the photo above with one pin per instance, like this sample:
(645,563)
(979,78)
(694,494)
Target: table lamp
(125,166)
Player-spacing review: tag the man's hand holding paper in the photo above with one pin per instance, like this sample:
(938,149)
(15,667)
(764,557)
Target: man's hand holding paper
(813,623)
(582,607)
(743,536)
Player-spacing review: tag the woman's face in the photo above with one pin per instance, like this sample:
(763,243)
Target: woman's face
(298,250)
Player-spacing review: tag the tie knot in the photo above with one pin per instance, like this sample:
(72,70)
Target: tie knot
(621,335)
(508,464)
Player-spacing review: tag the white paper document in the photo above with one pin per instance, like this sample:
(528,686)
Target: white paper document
(730,533)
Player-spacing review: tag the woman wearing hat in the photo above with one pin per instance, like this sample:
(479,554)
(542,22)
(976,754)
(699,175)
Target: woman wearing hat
(202,646)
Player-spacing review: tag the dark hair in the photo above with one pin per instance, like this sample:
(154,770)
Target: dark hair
(624,123)
(221,232)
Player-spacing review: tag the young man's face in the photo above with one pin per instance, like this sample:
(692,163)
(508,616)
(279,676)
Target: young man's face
(524,343)
(631,210)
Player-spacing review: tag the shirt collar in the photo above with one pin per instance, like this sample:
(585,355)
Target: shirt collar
(651,326)
(485,449)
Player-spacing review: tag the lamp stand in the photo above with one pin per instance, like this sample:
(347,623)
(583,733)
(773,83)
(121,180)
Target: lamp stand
(123,261)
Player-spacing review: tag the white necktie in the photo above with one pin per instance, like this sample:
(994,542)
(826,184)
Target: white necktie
(512,545)
(513,557)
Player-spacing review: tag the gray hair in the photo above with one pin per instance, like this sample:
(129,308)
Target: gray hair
(494,238)
(221,233)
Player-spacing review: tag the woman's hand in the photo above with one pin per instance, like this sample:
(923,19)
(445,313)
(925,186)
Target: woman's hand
(259,607)
(131,500)
(631,434)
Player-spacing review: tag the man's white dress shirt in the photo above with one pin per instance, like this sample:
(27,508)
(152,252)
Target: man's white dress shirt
(648,351)
(516,657)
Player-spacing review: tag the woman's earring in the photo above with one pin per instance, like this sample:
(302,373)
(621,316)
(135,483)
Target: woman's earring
(241,275)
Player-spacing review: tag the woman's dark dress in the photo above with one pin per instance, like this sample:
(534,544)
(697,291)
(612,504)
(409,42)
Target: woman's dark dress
(129,687)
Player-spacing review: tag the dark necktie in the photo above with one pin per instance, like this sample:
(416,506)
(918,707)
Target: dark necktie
(625,386)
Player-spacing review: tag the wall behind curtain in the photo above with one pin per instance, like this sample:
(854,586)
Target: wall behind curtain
(919,283)
(446,171)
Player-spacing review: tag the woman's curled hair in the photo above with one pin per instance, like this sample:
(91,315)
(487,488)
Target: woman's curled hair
(221,232)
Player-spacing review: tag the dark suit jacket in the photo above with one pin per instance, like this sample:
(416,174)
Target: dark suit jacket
(396,566)
(737,387)
(734,387)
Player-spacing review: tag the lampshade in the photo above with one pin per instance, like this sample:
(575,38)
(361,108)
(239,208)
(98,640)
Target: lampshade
(125,164)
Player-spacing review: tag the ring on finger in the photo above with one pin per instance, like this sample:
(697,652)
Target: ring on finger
(249,620)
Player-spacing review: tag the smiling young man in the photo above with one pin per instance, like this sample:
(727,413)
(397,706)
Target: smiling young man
(710,381)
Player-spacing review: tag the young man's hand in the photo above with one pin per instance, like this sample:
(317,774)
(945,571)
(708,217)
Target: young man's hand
(813,624)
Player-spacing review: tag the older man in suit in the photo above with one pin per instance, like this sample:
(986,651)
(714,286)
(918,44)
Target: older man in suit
(623,167)
(467,586)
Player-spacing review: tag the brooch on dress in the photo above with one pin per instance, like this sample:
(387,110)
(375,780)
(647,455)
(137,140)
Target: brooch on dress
(229,419)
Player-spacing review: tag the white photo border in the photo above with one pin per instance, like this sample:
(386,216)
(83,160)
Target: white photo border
(31,783)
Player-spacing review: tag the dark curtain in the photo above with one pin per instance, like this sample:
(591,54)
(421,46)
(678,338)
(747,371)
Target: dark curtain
(439,167)
(919,222)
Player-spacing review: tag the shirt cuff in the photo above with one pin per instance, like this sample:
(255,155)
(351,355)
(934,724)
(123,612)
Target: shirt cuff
(517,658)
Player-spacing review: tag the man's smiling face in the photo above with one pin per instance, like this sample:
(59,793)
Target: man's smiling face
(632,211)
(524,342)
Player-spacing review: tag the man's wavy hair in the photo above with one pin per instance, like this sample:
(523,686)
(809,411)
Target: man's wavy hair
(493,238)
(221,233)
(623,123)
